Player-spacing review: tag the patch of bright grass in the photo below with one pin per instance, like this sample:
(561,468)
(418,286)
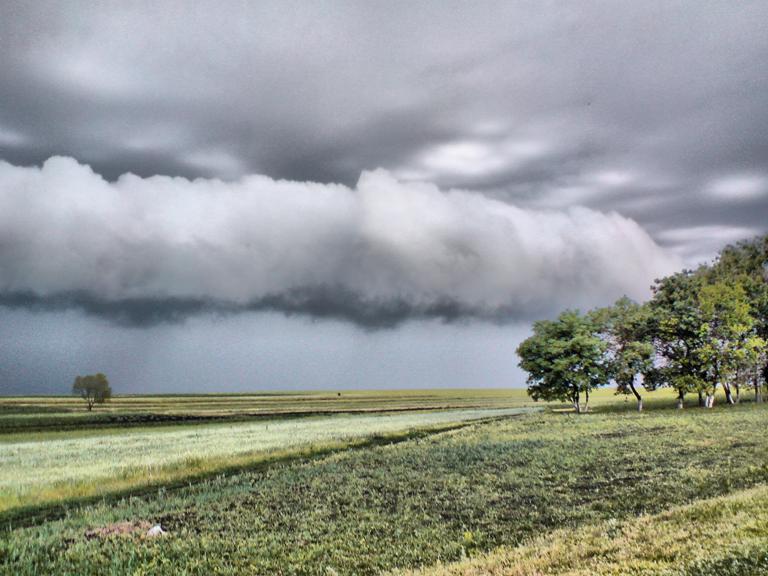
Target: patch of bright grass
(75,465)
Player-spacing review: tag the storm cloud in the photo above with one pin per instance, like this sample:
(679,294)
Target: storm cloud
(145,250)
(449,170)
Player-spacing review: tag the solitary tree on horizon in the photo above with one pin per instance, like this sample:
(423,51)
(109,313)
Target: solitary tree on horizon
(93,388)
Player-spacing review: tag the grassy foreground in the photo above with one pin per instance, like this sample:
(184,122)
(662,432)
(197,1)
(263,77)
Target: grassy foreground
(45,468)
(433,500)
(726,536)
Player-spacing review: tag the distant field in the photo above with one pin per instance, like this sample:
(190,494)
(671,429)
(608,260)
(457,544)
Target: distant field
(38,468)
(18,414)
(42,413)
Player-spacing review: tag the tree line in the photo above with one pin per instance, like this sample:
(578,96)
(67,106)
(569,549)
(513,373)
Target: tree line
(702,330)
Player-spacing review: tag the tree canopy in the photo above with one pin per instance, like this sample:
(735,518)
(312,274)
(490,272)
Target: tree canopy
(626,329)
(93,388)
(702,329)
(565,359)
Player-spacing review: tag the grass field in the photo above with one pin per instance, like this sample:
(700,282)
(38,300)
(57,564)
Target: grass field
(612,492)
(721,536)
(48,467)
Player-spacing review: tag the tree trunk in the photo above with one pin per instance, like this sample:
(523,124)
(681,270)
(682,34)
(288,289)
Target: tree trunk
(680,400)
(710,402)
(701,399)
(637,396)
(728,395)
(586,401)
(737,386)
(758,385)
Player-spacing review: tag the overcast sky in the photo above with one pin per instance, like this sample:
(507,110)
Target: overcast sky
(240,196)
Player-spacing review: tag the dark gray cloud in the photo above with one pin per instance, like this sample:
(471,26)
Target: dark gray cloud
(526,102)
(320,303)
(655,110)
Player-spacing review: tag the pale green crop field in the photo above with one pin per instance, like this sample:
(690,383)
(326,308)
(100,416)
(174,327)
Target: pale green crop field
(42,413)
(271,402)
(45,468)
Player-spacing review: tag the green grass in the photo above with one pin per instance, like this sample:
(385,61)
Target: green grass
(725,536)
(43,468)
(434,499)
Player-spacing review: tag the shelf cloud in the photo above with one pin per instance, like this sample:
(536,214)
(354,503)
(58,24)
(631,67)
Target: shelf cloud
(148,250)
(531,157)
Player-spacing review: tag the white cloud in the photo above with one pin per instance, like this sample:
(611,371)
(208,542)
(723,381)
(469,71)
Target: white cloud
(699,244)
(466,158)
(65,229)
(473,158)
(84,70)
(10,137)
(587,189)
(215,161)
(739,187)
(158,136)
(612,178)
(563,196)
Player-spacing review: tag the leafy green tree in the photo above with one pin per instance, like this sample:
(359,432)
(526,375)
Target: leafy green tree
(702,329)
(626,329)
(94,389)
(748,261)
(565,359)
(750,363)
(678,335)
(728,339)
